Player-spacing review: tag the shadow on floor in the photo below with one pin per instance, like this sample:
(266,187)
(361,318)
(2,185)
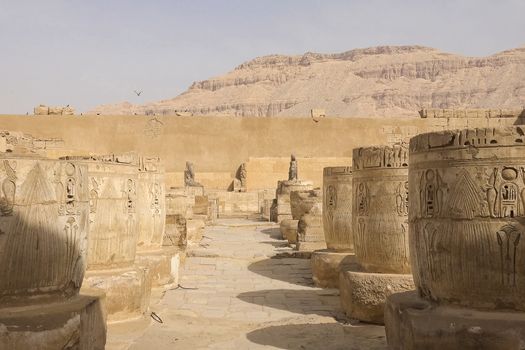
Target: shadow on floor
(273,232)
(326,336)
(323,302)
(277,244)
(291,270)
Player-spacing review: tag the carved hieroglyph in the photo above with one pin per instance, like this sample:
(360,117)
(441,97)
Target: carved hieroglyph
(112,240)
(151,208)
(380,208)
(337,208)
(43,228)
(467,215)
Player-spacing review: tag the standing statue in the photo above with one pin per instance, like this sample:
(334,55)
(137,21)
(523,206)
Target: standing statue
(242,176)
(292,172)
(189,175)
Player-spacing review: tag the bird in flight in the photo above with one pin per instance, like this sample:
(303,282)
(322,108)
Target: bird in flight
(137,92)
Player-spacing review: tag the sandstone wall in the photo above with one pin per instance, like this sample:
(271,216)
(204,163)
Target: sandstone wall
(217,146)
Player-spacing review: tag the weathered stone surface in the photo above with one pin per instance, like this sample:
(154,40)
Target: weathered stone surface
(78,323)
(194,230)
(363,294)
(112,241)
(414,323)
(467,193)
(284,188)
(288,229)
(337,208)
(380,210)
(127,291)
(44,226)
(326,266)
(302,202)
(307,206)
(49,110)
(163,266)
(151,204)
(379,223)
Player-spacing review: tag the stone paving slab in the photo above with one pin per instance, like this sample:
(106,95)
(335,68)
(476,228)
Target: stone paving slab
(244,296)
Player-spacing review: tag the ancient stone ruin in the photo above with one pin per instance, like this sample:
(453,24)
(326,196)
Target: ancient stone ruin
(380,226)
(123,250)
(467,202)
(337,224)
(44,220)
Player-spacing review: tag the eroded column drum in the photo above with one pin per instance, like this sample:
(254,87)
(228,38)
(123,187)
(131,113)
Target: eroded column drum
(467,216)
(43,228)
(337,208)
(151,206)
(112,241)
(380,208)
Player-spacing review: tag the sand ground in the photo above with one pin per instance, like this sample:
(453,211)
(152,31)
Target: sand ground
(242,288)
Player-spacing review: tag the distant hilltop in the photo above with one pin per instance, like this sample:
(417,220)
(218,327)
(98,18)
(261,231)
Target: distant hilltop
(374,82)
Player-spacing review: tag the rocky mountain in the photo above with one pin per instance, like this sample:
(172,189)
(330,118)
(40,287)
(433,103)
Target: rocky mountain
(377,81)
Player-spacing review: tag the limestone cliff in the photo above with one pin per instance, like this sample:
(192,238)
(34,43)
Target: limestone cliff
(378,81)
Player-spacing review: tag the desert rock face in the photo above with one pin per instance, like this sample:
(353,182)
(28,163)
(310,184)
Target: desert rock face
(378,81)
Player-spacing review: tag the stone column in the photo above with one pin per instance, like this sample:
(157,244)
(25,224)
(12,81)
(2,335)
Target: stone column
(380,227)
(163,262)
(43,232)
(337,223)
(112,239)
(467,211)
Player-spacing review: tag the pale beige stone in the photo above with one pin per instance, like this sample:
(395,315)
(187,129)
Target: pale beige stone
(467,190)
(337,208)
(380,227)
(127,291)
(288,228)
(327,265)
(363,294)
(284,188)
(44,209)
(151,204)
(78,323)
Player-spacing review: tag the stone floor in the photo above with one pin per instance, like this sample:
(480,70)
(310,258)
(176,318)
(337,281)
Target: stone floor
(242,288)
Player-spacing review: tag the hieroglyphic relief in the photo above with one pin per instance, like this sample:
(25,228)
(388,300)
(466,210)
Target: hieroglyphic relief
(466,240)
(43,251)
(7,200)
(362,199)
(93,194)
(395,156)
(402,198)
(381,200)
(337,208)
(508,239)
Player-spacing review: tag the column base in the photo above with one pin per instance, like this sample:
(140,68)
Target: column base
(363,294)
(163,266)
(127,291)
(326,266)
(78,323)
(414,323)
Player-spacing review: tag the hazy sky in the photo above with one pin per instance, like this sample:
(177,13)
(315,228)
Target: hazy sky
(90,52)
